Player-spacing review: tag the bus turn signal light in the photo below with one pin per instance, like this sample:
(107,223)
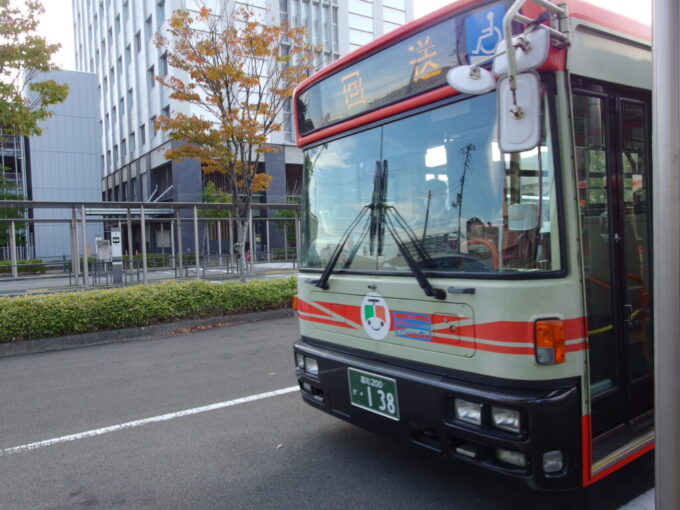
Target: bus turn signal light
(294,303)
(549,338)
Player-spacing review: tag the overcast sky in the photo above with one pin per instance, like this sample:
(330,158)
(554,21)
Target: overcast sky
(57,24)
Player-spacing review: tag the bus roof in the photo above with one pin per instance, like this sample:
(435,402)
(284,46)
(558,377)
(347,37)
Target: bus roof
(580,9)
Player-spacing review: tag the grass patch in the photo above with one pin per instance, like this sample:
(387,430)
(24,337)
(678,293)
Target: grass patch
(43,316)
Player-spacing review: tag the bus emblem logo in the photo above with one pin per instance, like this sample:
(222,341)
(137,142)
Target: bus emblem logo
(375,316)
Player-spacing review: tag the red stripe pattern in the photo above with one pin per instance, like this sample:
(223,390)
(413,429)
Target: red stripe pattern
(509,337)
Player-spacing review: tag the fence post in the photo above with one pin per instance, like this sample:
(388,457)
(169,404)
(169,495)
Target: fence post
(297,238)
(172,243)
(219,241)
(196,243)
(231,241)
(75,256)
(142,226)
(131,263)
(285,240)
(179,240)
(86,270)
(13,250)
(269,249)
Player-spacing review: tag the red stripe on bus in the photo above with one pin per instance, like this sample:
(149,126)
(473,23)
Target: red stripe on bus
(351,313)
(623,462)
(500,349)
(580,346)
(325,321)
(586,448)
(305,307)
(519,332)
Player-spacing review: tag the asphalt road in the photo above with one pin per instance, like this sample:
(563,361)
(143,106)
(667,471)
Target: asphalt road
(266,452)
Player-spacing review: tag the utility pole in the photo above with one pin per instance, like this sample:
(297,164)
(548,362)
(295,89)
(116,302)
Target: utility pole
(666,211)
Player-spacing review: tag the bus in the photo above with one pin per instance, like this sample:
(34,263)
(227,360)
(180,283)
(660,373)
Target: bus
(475,249)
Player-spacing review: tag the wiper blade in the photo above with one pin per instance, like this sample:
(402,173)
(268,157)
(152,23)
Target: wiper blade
(410,260)
(322,282)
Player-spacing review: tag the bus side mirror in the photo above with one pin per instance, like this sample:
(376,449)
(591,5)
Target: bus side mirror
(519,113)
(471,79)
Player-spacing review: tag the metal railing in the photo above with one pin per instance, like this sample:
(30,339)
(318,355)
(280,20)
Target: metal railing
(156,235)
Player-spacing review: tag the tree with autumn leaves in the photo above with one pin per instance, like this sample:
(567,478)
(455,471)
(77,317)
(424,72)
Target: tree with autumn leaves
(24,97)
(236,72)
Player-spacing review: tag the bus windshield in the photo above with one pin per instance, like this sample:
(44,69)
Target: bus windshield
(447,195)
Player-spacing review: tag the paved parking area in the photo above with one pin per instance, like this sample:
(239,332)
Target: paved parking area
(213,419)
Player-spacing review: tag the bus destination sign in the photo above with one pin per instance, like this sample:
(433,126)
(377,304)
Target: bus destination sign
(407,68)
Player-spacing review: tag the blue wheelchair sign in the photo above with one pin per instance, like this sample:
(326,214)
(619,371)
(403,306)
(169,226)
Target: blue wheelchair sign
(483,32)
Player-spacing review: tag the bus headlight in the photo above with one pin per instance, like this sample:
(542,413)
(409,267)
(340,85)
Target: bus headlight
(469,412)
(506,419)
(299,361)
(311,366)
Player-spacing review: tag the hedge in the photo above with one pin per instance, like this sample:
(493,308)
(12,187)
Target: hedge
(42,316)
(36,266)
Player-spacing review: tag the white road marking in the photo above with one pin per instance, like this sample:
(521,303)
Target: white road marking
(145,421)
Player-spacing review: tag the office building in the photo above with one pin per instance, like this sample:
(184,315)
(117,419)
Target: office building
(61,165)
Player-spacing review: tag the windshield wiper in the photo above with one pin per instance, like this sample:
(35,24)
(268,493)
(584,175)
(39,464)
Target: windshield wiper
(322,282)
(381,215)
(378,189)
(410,260)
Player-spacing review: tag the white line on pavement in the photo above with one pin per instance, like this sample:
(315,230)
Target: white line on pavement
(145,421)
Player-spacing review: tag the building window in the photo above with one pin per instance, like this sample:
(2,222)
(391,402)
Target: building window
(163,65)
(160,13)
(152,123)
(130,99)
(288,120)
(132,143)
(120,66)
(123,150)
(142,135)
(293,181)
(151,74)
(138,41)
(115,154)
(166,111)
(147,29)
(128,55)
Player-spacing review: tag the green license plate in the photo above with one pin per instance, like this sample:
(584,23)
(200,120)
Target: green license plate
(373,392)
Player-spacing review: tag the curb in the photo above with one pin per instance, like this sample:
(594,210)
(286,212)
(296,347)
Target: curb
(126,334)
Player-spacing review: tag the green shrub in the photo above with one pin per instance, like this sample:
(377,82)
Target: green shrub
(35,266)
(152,259)
(42,316)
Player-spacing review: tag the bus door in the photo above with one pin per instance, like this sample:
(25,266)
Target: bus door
(613,160)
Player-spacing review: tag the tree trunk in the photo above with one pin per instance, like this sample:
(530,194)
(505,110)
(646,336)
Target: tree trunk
(240,247)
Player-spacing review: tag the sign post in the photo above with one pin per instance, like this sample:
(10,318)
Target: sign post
(116,255)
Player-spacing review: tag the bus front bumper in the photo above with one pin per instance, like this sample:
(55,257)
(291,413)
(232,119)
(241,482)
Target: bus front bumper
(526,430)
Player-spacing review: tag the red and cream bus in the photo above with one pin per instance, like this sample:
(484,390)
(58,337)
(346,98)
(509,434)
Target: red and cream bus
(475,267)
